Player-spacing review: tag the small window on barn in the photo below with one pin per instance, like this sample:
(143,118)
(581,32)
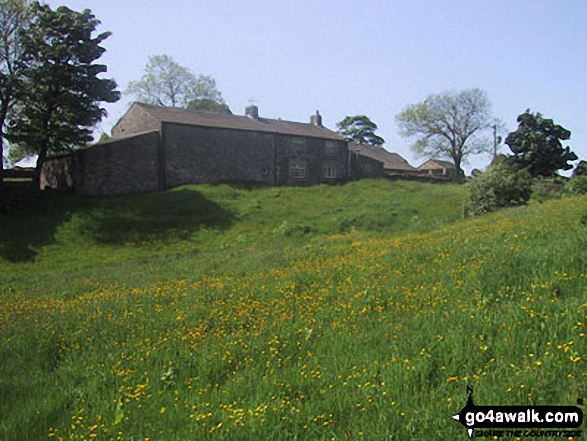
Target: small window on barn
(331,148)
(265,171)
(297,172)
(330,172)
(368,168)
(299,145)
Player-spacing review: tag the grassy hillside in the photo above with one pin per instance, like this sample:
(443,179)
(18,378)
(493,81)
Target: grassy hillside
(196,230)
(351,312)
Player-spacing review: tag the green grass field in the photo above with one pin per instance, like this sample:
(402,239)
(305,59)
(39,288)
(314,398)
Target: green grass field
(349,312)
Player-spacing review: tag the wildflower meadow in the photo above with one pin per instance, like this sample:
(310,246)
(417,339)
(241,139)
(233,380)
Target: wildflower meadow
(355,312)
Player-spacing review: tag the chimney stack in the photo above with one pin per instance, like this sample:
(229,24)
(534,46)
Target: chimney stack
(252,112)
(316,120)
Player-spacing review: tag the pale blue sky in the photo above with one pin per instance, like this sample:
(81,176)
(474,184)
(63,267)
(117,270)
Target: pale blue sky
(371,57)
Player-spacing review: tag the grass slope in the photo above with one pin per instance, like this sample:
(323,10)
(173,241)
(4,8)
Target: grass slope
(351,312)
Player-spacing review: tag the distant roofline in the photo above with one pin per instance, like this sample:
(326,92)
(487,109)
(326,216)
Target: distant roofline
(391,160)
(438,161)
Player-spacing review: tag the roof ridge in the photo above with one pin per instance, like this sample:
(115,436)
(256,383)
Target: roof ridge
(179,115)
(228,115)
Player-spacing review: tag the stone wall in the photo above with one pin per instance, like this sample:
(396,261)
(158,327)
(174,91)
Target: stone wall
(365,167)
(182,154)
(207,155)
(57,173)
(128,165)
(314,156)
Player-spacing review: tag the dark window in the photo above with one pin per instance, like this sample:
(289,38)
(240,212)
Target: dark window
(330,171)
(331,148)
(299,145)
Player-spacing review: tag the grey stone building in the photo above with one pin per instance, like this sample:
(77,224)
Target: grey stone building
(160,147)
(438,169)
(382,162)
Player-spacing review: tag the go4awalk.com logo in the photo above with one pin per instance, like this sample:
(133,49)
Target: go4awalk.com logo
(516,420)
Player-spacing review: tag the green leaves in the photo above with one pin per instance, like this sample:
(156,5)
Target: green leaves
(59,91)
(14,18)
(167,83)
(361,129)
(118,413)
(501,186)
(447,125)
(537,147)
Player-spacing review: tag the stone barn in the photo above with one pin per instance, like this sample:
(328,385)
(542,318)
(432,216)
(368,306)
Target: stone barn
(382,162)
(155,148)
(438,169)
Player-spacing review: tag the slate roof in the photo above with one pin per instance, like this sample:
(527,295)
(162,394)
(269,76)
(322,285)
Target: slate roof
(441,163)
(391,161)
(237,122)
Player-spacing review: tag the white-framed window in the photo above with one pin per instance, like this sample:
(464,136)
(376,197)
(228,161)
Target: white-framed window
(330,171)
(297,172)
(299,145)
(331,148)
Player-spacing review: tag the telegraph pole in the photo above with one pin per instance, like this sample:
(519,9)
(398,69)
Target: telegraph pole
(496,140)
(494,127)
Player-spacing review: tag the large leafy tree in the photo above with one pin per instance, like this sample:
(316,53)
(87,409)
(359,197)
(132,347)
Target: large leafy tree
(60,87)
(537,147)
(167,83)
(448,125)
(14,17)
(359,129)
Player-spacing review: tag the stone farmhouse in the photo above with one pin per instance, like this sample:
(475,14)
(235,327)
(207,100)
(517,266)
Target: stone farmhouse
(155,148)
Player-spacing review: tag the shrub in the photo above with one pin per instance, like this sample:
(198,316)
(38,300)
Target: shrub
(581,169)
(503,185)
(578,184)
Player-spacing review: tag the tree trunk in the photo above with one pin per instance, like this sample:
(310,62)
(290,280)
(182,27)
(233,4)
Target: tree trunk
(39,167)
(3,113)
(43,147)
(1,156)
(459,177)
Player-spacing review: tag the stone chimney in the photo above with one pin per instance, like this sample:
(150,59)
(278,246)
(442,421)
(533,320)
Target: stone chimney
(252,112)
(316,120)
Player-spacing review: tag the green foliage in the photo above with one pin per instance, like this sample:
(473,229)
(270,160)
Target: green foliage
(359,129)
(209,327)
(167,83)
(581,169)
(578,184)
(14,18)
(501,186)
(537,146)
(208,105)
(447,125)
(60,90)
(18,152)
(547,189)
